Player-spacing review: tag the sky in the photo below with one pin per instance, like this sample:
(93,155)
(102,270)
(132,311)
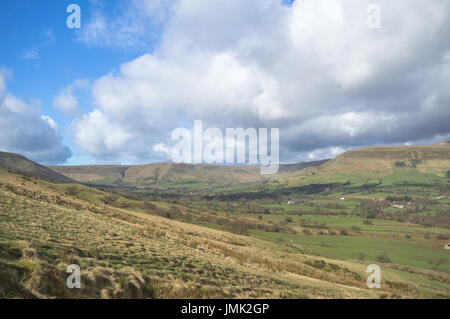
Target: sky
(321,71)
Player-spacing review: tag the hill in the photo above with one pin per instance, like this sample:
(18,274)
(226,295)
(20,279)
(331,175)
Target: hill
(185,175)
(311,236)
(428,159)
(16,163)
(127,253)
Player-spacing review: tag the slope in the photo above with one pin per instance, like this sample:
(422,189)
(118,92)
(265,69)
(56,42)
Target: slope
(128,254)
(16,163)
(428,159)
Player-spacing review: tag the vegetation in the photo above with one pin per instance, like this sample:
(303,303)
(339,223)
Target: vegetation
(168,231)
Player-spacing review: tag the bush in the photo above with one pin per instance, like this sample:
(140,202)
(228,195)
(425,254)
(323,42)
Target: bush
(383,257)
(361,256)
(367,222)
(173,213)
(288,219)
(109,199)
(400,164)
(343,232)
(72,190)
(306,231)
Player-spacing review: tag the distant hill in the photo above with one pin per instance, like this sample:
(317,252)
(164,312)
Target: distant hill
(300,166)
(431,158)
(183,174)
(145,175)
(19,164)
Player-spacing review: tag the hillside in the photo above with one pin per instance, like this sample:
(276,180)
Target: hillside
(16,163)
(130,254)
(274,239)
(428,159)
(127,254)
(169,173)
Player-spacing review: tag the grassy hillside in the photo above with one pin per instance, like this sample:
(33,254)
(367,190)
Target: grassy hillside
(172,175)
(130,254)
(160,174)
(18,164)
(307,232)
(429,159)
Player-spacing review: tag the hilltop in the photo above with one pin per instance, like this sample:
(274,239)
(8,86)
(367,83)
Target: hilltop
(429,159)
(19,164)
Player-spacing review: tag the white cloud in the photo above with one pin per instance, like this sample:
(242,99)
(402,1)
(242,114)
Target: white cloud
(31,54)
(325,153)
(23,130)
(314,70)
(50,122)
(66,101)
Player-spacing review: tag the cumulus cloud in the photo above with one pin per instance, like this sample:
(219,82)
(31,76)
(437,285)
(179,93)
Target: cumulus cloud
(313,69)
(66,101)
(23,130)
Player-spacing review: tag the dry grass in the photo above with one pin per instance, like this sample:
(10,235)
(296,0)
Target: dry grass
(126,254)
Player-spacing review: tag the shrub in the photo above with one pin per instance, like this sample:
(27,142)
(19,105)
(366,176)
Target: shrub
(442,237)
(343,232)
(108,200)
(367,222)
(361,256)
(72,190)
(306,231)
(383,257)
(400,164)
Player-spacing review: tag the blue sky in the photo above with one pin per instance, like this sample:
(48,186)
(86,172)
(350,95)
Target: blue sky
(114,90)
(44,55)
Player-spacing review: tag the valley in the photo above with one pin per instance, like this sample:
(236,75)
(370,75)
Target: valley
(207,231)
